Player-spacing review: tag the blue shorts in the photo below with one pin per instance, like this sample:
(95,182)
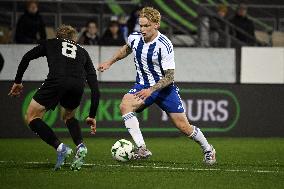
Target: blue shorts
(168,99)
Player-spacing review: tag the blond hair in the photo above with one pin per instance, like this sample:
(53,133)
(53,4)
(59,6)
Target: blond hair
(66,32)
(151,14)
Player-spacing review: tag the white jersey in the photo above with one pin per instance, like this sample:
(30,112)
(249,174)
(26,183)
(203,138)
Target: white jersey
(151,59)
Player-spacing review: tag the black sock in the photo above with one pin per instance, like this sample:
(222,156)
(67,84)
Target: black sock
(44,132)
(74,130)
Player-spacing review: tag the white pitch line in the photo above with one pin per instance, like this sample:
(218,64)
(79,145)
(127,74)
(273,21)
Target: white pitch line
(155,167)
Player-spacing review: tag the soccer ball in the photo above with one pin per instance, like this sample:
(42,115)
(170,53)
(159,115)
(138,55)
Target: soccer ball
(122,150)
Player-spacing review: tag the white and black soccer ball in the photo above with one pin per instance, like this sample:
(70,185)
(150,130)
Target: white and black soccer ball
(122,150)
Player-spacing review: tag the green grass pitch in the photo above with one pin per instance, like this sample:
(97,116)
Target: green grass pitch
(176,163)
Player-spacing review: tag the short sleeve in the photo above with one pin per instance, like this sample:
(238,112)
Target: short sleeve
(132,37)
(129,39)
(168,57)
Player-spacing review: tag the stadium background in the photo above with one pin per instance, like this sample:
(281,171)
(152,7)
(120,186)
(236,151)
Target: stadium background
(235,90)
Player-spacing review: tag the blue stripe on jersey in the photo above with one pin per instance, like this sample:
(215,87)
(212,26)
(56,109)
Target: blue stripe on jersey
(160,61)
(138,57)
(150,62)
(132,43)
(166,41)
(137,75)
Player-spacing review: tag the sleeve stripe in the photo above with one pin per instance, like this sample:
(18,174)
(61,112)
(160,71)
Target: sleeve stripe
(164,39)
(165,45)
(132,43)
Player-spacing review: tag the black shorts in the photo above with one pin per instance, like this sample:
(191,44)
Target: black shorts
(67,92)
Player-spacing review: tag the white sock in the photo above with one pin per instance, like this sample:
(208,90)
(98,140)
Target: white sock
(198,137)
(132,124)
(59,148)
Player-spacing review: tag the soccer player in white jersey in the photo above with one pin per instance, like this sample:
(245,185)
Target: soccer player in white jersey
(155,65)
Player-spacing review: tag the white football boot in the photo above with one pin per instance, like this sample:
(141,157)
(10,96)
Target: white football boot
(142,153)
(210,156)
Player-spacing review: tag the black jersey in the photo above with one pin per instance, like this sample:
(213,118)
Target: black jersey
(66,59)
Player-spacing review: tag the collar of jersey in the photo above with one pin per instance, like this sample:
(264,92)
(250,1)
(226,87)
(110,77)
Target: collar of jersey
(70,41)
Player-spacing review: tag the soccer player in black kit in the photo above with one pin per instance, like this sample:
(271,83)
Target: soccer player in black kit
(69,67)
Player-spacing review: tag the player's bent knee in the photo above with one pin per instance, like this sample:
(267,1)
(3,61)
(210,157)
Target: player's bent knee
(65,119)
(71,121)
(67,115)
(129,104)
(30,118)
(31,115)
(125,105)
(35,110)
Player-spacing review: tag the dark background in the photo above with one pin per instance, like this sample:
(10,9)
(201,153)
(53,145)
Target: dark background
(260,113)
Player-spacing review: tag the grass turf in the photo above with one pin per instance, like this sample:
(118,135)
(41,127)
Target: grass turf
(176,163)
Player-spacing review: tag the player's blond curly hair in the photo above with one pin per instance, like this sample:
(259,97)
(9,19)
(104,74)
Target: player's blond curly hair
(66,32)
(151,14)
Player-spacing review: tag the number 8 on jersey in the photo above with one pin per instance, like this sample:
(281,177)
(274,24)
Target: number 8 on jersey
(69,50)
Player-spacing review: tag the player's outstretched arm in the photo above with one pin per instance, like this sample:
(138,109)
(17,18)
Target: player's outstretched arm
(34,53)
(95,93)
(123,52)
